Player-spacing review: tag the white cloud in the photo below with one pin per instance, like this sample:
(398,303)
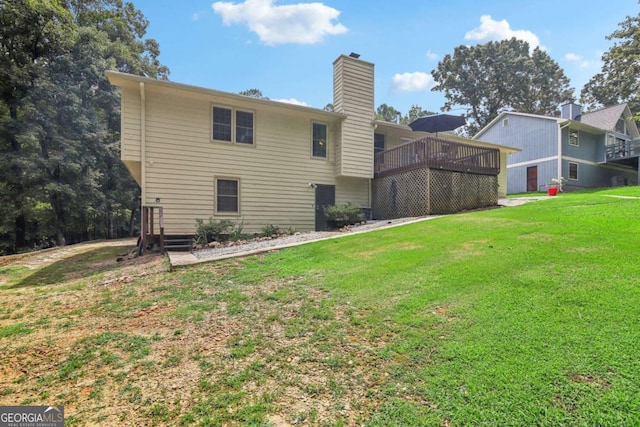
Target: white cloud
(492,30)
(572,57)
(431,56)
(411,82)
(293,101)
(302,23)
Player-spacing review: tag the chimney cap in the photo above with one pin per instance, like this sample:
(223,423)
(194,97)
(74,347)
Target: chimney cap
(354,55)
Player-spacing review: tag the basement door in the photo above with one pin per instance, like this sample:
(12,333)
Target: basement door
(532,178)
(325,196)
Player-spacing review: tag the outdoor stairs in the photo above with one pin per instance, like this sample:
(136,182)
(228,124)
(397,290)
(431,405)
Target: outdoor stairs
(178,242)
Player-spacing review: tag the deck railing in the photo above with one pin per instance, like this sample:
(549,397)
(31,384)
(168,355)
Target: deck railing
(623,150)
(437,153)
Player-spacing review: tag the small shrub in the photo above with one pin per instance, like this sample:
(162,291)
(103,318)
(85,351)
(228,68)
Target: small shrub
(270,230)
(238,231)
(343,214)
(213,230)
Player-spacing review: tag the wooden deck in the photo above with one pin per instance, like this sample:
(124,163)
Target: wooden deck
(623,150)
(437,153)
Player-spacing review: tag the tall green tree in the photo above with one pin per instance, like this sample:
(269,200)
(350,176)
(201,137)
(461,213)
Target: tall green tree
(415,112)
(619,80)
(253,93)
(387,113)
(33,35)
(60,173)
(489,78)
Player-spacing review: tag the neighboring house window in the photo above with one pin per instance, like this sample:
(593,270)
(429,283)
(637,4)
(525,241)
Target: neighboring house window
(319,140)
(378,143)
(232,125)
(573,171)
(620,126)
(227,195)
(611,139)
(505,123)
(573,137)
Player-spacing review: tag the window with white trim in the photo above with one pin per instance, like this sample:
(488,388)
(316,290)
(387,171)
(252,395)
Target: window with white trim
(227,195)
(231,125)
(573,137)
(573,171)
(505,123)
(319,140)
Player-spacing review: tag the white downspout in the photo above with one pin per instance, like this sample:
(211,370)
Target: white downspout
(560,127)
(143,145)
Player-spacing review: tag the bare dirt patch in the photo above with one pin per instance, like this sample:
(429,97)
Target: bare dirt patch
(132,344)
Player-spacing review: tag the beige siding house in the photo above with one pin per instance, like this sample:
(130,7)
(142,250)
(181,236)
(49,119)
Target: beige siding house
(201,153)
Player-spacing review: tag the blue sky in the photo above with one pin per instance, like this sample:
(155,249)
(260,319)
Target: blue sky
(286,48)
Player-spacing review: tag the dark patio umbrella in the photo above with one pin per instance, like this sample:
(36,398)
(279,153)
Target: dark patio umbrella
(437,123)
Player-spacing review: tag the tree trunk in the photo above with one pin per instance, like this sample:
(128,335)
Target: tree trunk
(61,240)
(110,225)
(20,232)
(132,220)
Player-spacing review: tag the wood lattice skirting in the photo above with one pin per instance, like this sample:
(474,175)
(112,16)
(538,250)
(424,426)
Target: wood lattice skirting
(426,191)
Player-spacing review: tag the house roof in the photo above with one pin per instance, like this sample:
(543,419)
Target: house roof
(515,113)
(118,78)
(606,118)
(597,122)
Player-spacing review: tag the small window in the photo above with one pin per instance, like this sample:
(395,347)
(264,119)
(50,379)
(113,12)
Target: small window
(244,127)
(621,126)
(222,124)
(505,123)
(378,143)
(573,171)
(573,137)
(231,125)
(319,140)
(227,195)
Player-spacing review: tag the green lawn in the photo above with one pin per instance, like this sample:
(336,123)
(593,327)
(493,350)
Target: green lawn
(515,316)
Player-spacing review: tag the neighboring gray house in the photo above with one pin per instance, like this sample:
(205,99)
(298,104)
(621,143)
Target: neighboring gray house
(597,149)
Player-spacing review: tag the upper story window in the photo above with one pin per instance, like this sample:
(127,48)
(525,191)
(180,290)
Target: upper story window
(378,143)
(573,137)
(621,126)
(232,125)
(319,140)
(505,123)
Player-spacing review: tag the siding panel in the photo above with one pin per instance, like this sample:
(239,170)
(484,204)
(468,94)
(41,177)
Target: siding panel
(353,95)
(274,174)
(130,125)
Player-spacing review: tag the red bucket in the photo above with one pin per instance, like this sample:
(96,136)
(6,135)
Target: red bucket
(552,191)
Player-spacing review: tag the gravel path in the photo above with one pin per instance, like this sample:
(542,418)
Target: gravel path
(253,247)
(299,238)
